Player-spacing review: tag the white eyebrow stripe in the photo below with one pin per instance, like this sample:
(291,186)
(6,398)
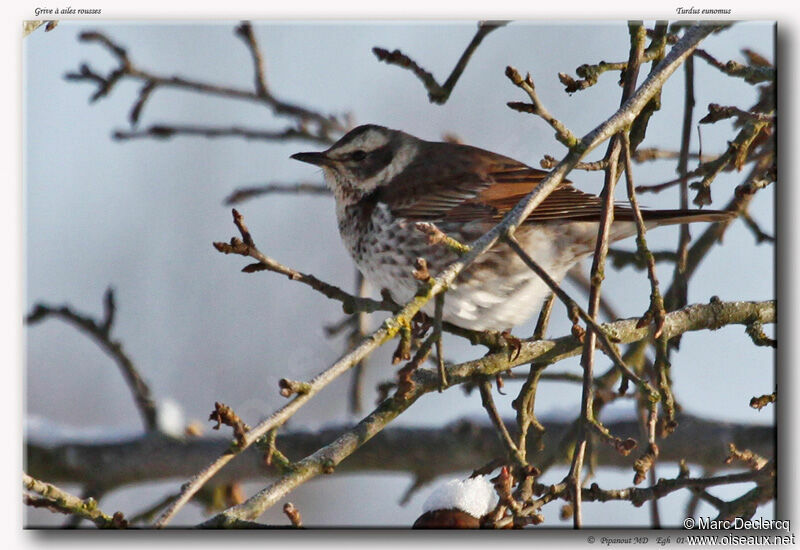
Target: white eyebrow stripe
(368,141)
(403,157)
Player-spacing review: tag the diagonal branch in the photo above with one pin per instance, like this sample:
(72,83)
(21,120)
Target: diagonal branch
(57,500)
(563,134)
(753,226)
(325,459)
(605,342)
(656,309)
(247,247)
(487,401)
(101,334)
(752,74)
(311,388)
(324,125)
(439,93)
(621,119)
(715,232)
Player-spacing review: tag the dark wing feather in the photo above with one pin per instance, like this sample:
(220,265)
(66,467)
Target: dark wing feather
(484,186)
(488,197)
(566,203)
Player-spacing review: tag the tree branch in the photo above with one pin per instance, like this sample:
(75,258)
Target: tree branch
(426,452)
(750,74)
(100,332)
(245,193)
(637,38)
(327,458)
(57,500)
(247,247)
(321,461)
(325,125)
(167,131)
(439,93)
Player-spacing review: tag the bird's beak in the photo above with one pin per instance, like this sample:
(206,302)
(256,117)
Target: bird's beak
(319,159)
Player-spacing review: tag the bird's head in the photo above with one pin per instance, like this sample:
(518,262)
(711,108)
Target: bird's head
(363,159)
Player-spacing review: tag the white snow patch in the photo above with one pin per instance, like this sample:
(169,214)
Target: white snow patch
(170,419)
(474,496)
(45,432)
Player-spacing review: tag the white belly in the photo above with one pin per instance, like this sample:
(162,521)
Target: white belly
(498,291)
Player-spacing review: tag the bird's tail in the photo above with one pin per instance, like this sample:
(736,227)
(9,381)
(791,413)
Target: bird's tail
(671,217)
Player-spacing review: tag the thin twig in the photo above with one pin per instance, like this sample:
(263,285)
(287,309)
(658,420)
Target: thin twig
(325,459)
(712,168)
(754,228)
(487,401)
(738,153)
(644,154)
(58,500)
(718,112)
(636,495)
(563,134)
(715,232)
(755,331)
(605,342)
(245,31)
(751,74)
(548,162)
(513,218)
(167,131)
(577,276)
(245,193)
(589,73)
(439,93)
(100,332)
(637,37)
(437,334)
(656,301)
(526,399)
(150,512)
(357,333)
(325,125)
(621,258)
(680,282)
(246,247)
(656,49)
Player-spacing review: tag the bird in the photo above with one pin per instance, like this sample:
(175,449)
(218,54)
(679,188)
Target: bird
(386,181)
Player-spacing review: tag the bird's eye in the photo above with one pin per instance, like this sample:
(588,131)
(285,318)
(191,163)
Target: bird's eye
(358,155)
